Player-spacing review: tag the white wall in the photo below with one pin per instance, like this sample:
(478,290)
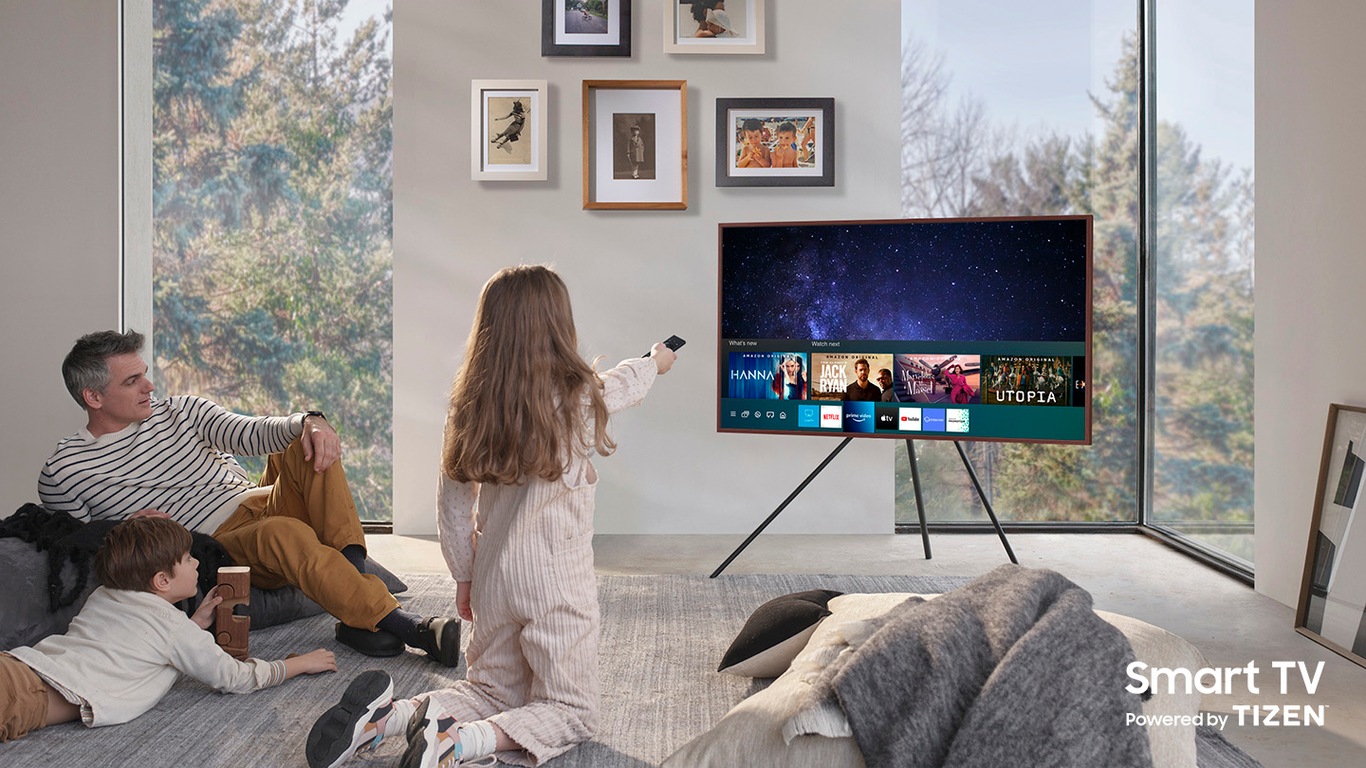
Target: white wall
(636,277)
(59,217)
(1311,264)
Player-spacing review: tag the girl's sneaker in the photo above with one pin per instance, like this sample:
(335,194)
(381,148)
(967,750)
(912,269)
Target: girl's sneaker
(354,723)
(434,740)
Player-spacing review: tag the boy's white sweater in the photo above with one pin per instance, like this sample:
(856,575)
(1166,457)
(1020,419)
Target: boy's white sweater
(124,651)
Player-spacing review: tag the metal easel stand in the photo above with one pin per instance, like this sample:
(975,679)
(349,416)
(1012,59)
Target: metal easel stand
(919,503)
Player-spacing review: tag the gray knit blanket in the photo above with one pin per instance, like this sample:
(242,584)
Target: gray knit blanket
(1013,669)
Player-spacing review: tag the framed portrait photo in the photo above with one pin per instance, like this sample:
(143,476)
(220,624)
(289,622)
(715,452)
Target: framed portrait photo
(1332,606)
(508,130)
(635,144)
(713,26)
(586,27)
(775,142)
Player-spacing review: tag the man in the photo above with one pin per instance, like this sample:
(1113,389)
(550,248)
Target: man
(174,458)
(884,380)
(861,388)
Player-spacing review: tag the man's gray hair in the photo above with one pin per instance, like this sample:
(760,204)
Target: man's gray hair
(87,364)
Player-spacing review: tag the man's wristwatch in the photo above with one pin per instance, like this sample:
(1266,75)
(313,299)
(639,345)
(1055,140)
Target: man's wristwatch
(319,414)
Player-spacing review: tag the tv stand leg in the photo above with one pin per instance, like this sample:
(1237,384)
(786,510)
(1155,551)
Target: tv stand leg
(781,507)
(982,495)
(919,502)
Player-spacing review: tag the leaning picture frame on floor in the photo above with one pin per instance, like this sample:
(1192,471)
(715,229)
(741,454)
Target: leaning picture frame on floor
(574,28)
(508,130)
(635,145)
(712,26)
(1332,605)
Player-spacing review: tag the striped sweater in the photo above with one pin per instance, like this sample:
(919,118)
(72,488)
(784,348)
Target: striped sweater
(179,460)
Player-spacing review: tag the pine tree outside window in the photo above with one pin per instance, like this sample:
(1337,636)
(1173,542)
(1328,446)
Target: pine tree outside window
(1039,108)
(272,214)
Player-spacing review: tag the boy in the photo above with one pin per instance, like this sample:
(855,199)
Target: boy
(753,153)
(785,151)
(127,646)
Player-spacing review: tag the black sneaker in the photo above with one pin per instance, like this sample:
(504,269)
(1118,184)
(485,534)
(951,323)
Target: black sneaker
(354,723)
(439,636)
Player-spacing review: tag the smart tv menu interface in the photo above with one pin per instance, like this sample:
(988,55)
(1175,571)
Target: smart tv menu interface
(1028,391)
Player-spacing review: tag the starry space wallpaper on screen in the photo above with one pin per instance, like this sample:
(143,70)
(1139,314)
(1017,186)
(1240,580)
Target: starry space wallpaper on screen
(912,280)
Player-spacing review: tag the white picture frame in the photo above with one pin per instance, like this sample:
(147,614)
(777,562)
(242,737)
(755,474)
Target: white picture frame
(742,31)
(509,130)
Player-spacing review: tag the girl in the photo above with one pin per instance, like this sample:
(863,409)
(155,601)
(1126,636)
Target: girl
(514,129)
(789,381)
(515,514)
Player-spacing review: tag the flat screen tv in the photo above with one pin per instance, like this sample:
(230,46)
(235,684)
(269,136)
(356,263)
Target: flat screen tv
(957,329)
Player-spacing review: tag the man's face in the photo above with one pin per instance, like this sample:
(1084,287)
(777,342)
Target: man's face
(884,379)
(861,370)
(128,397)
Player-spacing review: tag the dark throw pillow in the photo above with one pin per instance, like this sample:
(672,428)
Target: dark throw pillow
(775,633)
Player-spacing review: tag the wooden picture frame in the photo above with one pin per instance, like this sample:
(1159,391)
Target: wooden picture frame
(811,148)
(508,130)
(567,30)
(1332,605)
(635,144)
(739,27)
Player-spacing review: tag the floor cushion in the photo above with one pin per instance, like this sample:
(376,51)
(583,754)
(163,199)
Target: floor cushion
(782,726)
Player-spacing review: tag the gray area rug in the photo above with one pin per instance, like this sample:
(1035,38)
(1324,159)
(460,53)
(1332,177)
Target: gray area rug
(662,638)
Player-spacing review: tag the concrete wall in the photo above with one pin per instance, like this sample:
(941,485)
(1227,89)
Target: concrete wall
(59,215)
(1311,265)
(636,277)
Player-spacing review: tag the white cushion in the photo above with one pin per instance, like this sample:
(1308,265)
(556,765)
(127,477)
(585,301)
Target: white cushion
(783,726)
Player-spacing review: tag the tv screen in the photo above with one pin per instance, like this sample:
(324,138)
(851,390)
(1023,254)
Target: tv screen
(963,329)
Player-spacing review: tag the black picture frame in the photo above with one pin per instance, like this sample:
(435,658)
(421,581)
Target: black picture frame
(818,167)
(618,45)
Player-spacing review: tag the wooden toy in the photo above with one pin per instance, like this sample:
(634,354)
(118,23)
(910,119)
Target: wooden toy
(231,631)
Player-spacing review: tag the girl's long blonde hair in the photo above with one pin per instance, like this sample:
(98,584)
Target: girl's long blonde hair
(515,409)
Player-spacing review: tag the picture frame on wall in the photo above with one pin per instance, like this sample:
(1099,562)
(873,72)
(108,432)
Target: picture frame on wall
(508,130)
(635,144)
(775,142)
(578,28)
(1332,605)
(713,26)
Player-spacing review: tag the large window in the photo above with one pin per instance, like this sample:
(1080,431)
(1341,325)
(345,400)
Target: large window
(272,216)
(1074,106)
(1201,237)
(1022,109)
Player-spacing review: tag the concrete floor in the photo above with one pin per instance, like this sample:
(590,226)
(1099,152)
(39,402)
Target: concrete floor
(1132,574)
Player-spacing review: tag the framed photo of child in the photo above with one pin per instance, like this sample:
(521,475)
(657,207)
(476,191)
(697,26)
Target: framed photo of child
(635,145)
(713,26)
(508,130)
(586,27)
(775,142)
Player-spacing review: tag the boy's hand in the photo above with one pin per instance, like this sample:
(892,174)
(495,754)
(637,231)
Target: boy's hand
(313,662)
(203,615)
